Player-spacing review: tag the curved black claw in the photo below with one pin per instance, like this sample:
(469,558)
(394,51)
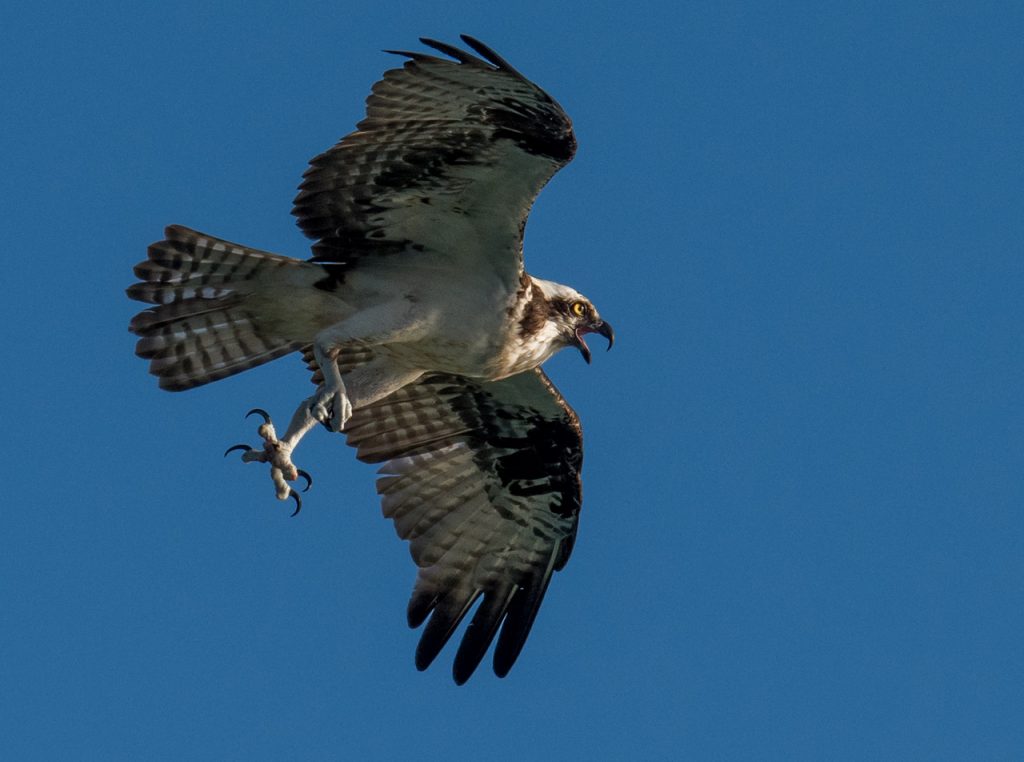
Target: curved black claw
(307,477)
(260,412)
(298,502)
(242,447)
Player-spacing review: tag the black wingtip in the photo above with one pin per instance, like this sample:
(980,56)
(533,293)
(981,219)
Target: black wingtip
(480,633)
(420,606)
(489,54)
(450,50)
(522,612)
(447,616)
(418,57)
(423,660)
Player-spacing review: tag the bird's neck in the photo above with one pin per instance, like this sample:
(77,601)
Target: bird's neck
(533,336)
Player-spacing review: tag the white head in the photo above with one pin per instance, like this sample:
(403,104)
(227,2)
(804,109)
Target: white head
(561,316)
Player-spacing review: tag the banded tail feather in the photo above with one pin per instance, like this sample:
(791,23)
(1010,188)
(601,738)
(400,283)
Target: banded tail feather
(210,315)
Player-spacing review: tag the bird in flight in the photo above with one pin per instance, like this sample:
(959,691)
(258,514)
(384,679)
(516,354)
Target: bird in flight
(422,330)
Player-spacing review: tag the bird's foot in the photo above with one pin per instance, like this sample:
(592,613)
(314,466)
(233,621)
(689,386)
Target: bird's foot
(278,455)
(331,406)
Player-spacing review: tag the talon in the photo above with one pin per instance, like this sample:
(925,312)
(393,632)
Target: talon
(277,454)
(260,412)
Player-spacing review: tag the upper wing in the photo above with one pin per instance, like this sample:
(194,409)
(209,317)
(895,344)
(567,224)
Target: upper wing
(483,479)
(449,158)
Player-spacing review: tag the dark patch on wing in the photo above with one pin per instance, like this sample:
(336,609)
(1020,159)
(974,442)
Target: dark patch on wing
(534,130)
(531,455)
(545,447)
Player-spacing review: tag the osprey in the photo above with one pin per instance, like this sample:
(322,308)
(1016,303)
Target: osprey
(423,332)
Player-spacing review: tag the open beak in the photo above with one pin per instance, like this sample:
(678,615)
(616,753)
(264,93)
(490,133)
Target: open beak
(602,327)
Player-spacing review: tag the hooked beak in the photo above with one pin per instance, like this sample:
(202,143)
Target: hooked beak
(602,327)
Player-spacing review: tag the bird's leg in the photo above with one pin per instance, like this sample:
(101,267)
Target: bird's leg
(331,404)
(277,452)
(391,322)
(370,382)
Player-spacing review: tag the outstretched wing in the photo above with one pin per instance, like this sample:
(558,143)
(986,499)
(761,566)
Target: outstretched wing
(449,159)
(483,480)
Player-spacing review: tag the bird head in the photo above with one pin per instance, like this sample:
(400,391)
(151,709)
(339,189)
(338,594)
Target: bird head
(570,316)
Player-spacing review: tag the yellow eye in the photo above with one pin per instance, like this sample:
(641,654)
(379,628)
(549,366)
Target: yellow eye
(579,309)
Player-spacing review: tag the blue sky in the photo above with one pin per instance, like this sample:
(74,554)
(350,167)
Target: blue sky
(802,533)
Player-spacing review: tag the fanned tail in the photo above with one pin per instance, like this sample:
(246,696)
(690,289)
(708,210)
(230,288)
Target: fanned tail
(206,325)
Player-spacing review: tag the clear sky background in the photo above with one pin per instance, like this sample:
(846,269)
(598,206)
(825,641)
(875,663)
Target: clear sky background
(802,535)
